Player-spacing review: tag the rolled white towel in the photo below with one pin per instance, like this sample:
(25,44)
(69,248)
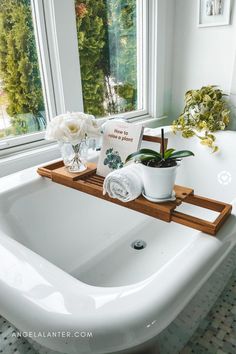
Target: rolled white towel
(124,184)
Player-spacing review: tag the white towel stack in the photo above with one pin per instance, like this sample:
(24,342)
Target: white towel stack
(124,184)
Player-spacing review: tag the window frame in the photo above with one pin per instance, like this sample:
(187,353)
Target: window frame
(22,142)
(62,88)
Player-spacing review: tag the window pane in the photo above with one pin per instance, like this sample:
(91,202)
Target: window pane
(107,39)
(21,99)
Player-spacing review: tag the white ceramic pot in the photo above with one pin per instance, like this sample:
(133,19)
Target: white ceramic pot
(158,182)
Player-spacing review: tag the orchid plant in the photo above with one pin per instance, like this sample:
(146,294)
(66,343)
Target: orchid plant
(153,158)
(163,159)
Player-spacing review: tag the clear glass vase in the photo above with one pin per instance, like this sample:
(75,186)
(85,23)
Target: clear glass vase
(74,155)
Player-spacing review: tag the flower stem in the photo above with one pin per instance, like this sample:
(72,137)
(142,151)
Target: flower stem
(76,159)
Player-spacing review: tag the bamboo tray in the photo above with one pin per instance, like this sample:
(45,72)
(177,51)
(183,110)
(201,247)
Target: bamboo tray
(89,182)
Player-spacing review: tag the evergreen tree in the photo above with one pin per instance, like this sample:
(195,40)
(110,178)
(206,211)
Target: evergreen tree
(91,23)
(123,50)
(18,61)
(107,46)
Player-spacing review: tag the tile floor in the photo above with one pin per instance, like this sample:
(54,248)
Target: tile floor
(216,333)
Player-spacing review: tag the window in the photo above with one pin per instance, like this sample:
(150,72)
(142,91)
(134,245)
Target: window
(68,55)
(107,39)
(22,108)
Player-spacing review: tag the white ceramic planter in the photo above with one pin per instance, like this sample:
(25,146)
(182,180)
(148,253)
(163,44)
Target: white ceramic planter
(158,182)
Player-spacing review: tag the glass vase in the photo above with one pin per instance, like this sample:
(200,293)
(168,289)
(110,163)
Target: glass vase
(74,155)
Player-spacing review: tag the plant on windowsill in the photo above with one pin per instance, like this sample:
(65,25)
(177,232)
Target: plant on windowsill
(159,170)
(205,112)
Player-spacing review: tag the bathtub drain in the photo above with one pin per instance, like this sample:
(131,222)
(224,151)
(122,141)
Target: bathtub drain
(138,245)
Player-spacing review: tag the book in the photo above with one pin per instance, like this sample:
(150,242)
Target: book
(120,139)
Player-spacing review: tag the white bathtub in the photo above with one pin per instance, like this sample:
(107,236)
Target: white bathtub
(66,263)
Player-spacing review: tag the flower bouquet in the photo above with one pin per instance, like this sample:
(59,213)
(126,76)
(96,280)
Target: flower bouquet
(73,129)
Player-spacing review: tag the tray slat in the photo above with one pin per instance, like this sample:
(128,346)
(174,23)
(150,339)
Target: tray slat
(89,182)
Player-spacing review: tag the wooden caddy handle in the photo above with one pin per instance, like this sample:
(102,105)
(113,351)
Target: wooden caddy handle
(200,224)
(155,139)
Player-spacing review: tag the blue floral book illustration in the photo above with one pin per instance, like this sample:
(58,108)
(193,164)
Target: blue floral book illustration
(120,139)
(113,159)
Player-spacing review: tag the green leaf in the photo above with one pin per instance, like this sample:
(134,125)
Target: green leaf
(152,153)
(211,136)
(180,154)
(215,149)
(142,157)
(188,133)
(168,153)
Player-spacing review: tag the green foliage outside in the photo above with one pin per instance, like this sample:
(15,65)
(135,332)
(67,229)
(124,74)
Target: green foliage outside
(205,111)
(18,63)
(107,46)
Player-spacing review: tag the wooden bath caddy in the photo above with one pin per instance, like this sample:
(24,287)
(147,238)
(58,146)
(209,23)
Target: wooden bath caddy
(89,182)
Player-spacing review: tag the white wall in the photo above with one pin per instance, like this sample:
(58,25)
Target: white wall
(201,56)
(164,53)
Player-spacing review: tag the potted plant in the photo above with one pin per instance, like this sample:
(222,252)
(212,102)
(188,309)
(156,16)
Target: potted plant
(205,112)
(159,170)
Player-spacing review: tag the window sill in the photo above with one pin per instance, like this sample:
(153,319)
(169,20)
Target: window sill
(28,158)
(42,154)
(149,122)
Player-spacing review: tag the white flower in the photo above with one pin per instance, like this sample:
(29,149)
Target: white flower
(73,130)
(73,127)
(53,129)
(93,127)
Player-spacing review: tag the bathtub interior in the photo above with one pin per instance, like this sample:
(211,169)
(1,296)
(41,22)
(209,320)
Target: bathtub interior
(91,239)
(88,237)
